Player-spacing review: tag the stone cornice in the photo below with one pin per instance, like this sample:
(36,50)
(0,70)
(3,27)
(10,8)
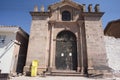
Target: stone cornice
(92,14)
(40,13)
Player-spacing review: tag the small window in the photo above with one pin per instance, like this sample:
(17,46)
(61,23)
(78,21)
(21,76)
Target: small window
(66,16)
(2,38)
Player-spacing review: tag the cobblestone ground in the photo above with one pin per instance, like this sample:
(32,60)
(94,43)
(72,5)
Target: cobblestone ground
(58,78)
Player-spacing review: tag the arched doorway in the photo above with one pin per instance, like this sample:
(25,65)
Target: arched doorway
(66,51)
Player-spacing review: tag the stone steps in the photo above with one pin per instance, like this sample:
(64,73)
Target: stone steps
(65,73)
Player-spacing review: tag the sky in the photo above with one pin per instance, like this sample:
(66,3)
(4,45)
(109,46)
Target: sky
(16,12)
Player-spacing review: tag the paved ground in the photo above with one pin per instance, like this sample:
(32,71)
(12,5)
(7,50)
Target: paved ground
(58,78)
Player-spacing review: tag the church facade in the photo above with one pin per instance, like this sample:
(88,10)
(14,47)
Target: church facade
(67,38)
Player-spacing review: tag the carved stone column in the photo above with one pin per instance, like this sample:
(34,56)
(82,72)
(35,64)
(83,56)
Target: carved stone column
(51,25)
(81,62)
(78,50)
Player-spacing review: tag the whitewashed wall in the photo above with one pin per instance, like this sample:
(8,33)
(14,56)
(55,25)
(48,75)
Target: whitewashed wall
(113,52)
(7,49)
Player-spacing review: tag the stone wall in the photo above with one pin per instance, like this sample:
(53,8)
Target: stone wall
(113,52)
(95,45)
(37,47)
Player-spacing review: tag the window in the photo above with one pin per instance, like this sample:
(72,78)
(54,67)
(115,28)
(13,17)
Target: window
(2,38)
(66,16)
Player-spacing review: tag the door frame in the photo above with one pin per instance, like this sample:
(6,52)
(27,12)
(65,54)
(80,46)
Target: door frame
(79,32)
(67,36)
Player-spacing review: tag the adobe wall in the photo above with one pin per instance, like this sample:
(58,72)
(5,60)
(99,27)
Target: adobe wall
(6,52)
(113,52)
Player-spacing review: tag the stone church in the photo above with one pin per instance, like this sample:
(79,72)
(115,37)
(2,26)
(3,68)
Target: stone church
(68,38)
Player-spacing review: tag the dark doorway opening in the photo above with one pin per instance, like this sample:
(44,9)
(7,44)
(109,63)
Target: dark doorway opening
(66,51)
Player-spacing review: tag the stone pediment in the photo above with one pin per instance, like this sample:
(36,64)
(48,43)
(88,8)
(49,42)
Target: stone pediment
(65,3)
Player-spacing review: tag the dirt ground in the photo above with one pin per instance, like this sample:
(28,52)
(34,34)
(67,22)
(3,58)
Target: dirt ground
(59,78)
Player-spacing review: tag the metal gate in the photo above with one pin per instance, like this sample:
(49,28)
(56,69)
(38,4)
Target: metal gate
(66,51)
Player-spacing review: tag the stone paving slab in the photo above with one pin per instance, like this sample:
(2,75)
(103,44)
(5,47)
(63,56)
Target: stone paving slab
(57,78)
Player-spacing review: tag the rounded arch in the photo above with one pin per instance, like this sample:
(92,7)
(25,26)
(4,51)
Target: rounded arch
(66,34)
(66,51)
(66,15)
